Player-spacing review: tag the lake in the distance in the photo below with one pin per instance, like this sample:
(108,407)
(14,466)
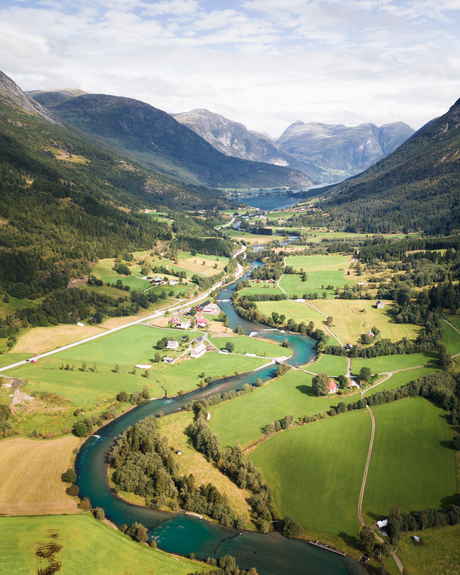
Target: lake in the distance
(270,202)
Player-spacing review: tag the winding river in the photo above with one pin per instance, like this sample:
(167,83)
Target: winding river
(270,554)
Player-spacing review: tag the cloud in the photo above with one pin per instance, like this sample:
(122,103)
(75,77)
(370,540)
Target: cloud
(261,62)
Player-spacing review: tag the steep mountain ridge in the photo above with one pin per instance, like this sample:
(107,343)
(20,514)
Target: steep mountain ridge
(12,94)
(234,139)
(414,188)
(156,140)
(348,149)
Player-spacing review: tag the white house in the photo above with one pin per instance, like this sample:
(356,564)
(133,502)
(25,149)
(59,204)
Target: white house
(168,359)
(172,344)
(380,304)
(199,350)
(173,282)
(184,325)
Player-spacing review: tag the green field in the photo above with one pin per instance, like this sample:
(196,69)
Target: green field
(88,546)
(245,344)
(14,305)
(387,363)
(318,263)
(252,238)
(439,554)
(317,282)
(323,465)
(291,309)
(333,365)
(243,418)
(412,463)
(451,338)
(265,289)
(402,378)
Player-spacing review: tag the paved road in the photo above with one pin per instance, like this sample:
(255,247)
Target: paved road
(156,315)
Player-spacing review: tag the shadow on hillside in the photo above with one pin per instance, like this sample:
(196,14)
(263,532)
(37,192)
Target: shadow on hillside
(306,389)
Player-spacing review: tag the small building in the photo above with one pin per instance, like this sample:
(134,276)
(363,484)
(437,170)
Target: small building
(416,538)
(208,309)
(380,304)
(168,359)
(382,524)
(332,386)
(80,324)
(172,344)
(348,347)
(201,306)
(179,452)
(184,325)
(370,334)
(173,282)
(208,417)
(202,322)
(157,281)
(199,339)
(199,350)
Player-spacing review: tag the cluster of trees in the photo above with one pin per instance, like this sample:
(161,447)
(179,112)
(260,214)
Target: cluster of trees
(70,476)
(227,566)
(6,428)
(420,520)
(231,462)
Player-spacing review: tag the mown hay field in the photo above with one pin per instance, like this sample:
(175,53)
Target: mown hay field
(83,546)
(315,471)
(30,476)
(412,463)
(245,344)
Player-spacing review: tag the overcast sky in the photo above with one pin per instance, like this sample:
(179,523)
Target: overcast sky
(265,63)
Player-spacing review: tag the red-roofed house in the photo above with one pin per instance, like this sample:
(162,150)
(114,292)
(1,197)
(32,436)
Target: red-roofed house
(332,386)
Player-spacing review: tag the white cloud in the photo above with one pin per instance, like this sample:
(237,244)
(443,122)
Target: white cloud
(261,62)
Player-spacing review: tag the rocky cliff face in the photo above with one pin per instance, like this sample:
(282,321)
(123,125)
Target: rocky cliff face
(339,147)
(13,94)
(234,139)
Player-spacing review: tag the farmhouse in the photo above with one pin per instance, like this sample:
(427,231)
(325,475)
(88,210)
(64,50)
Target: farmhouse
(332,386)
(173,282)
(370,334)
(157,281)
(172,344)
(199,350)
(202,322)
(168,359)
(184,325)
(380,304)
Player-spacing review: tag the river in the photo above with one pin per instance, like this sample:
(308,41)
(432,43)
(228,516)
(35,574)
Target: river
(270,554)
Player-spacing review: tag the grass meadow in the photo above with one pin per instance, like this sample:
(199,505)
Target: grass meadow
(402,378)
(440,552)
(317,282)
(30,476)
(264,289)
(353,318)
(318,263)
(291,309)
(333,365)
(451,338)
(245,344)
(387,363)
(242,419)
(412,463)
(323,465)
(88,546)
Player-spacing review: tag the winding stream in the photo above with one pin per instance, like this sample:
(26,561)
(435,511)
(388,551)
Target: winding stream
(270,554)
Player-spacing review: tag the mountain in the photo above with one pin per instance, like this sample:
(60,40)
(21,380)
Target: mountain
(50,98)
(337,147)
(12,94)
(414,188)
(156,140)
(234,139)
(64,202)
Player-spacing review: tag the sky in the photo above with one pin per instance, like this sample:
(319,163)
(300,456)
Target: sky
(264,63)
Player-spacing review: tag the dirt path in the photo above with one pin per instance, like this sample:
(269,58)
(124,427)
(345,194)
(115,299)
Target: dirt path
(363,485)
(278,284)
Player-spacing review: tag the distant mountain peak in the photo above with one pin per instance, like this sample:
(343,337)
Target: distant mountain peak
(13,94)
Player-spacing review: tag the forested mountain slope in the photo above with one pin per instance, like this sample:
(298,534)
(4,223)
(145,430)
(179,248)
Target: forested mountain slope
(64,203)
(414,188)
(156,140)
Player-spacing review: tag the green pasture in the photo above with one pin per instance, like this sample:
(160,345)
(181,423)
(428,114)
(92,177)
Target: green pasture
(15,305)
(252,238)
(243,419)
(264,289)
(318,263)
(315,471)
(402,378)
(412,463)
(292,309)
(88,546)
(317,282)
(333,365)
(281,215)
(439,553)
(245,344)
(451,338)
(388,363)
(10,358)
(103,271)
